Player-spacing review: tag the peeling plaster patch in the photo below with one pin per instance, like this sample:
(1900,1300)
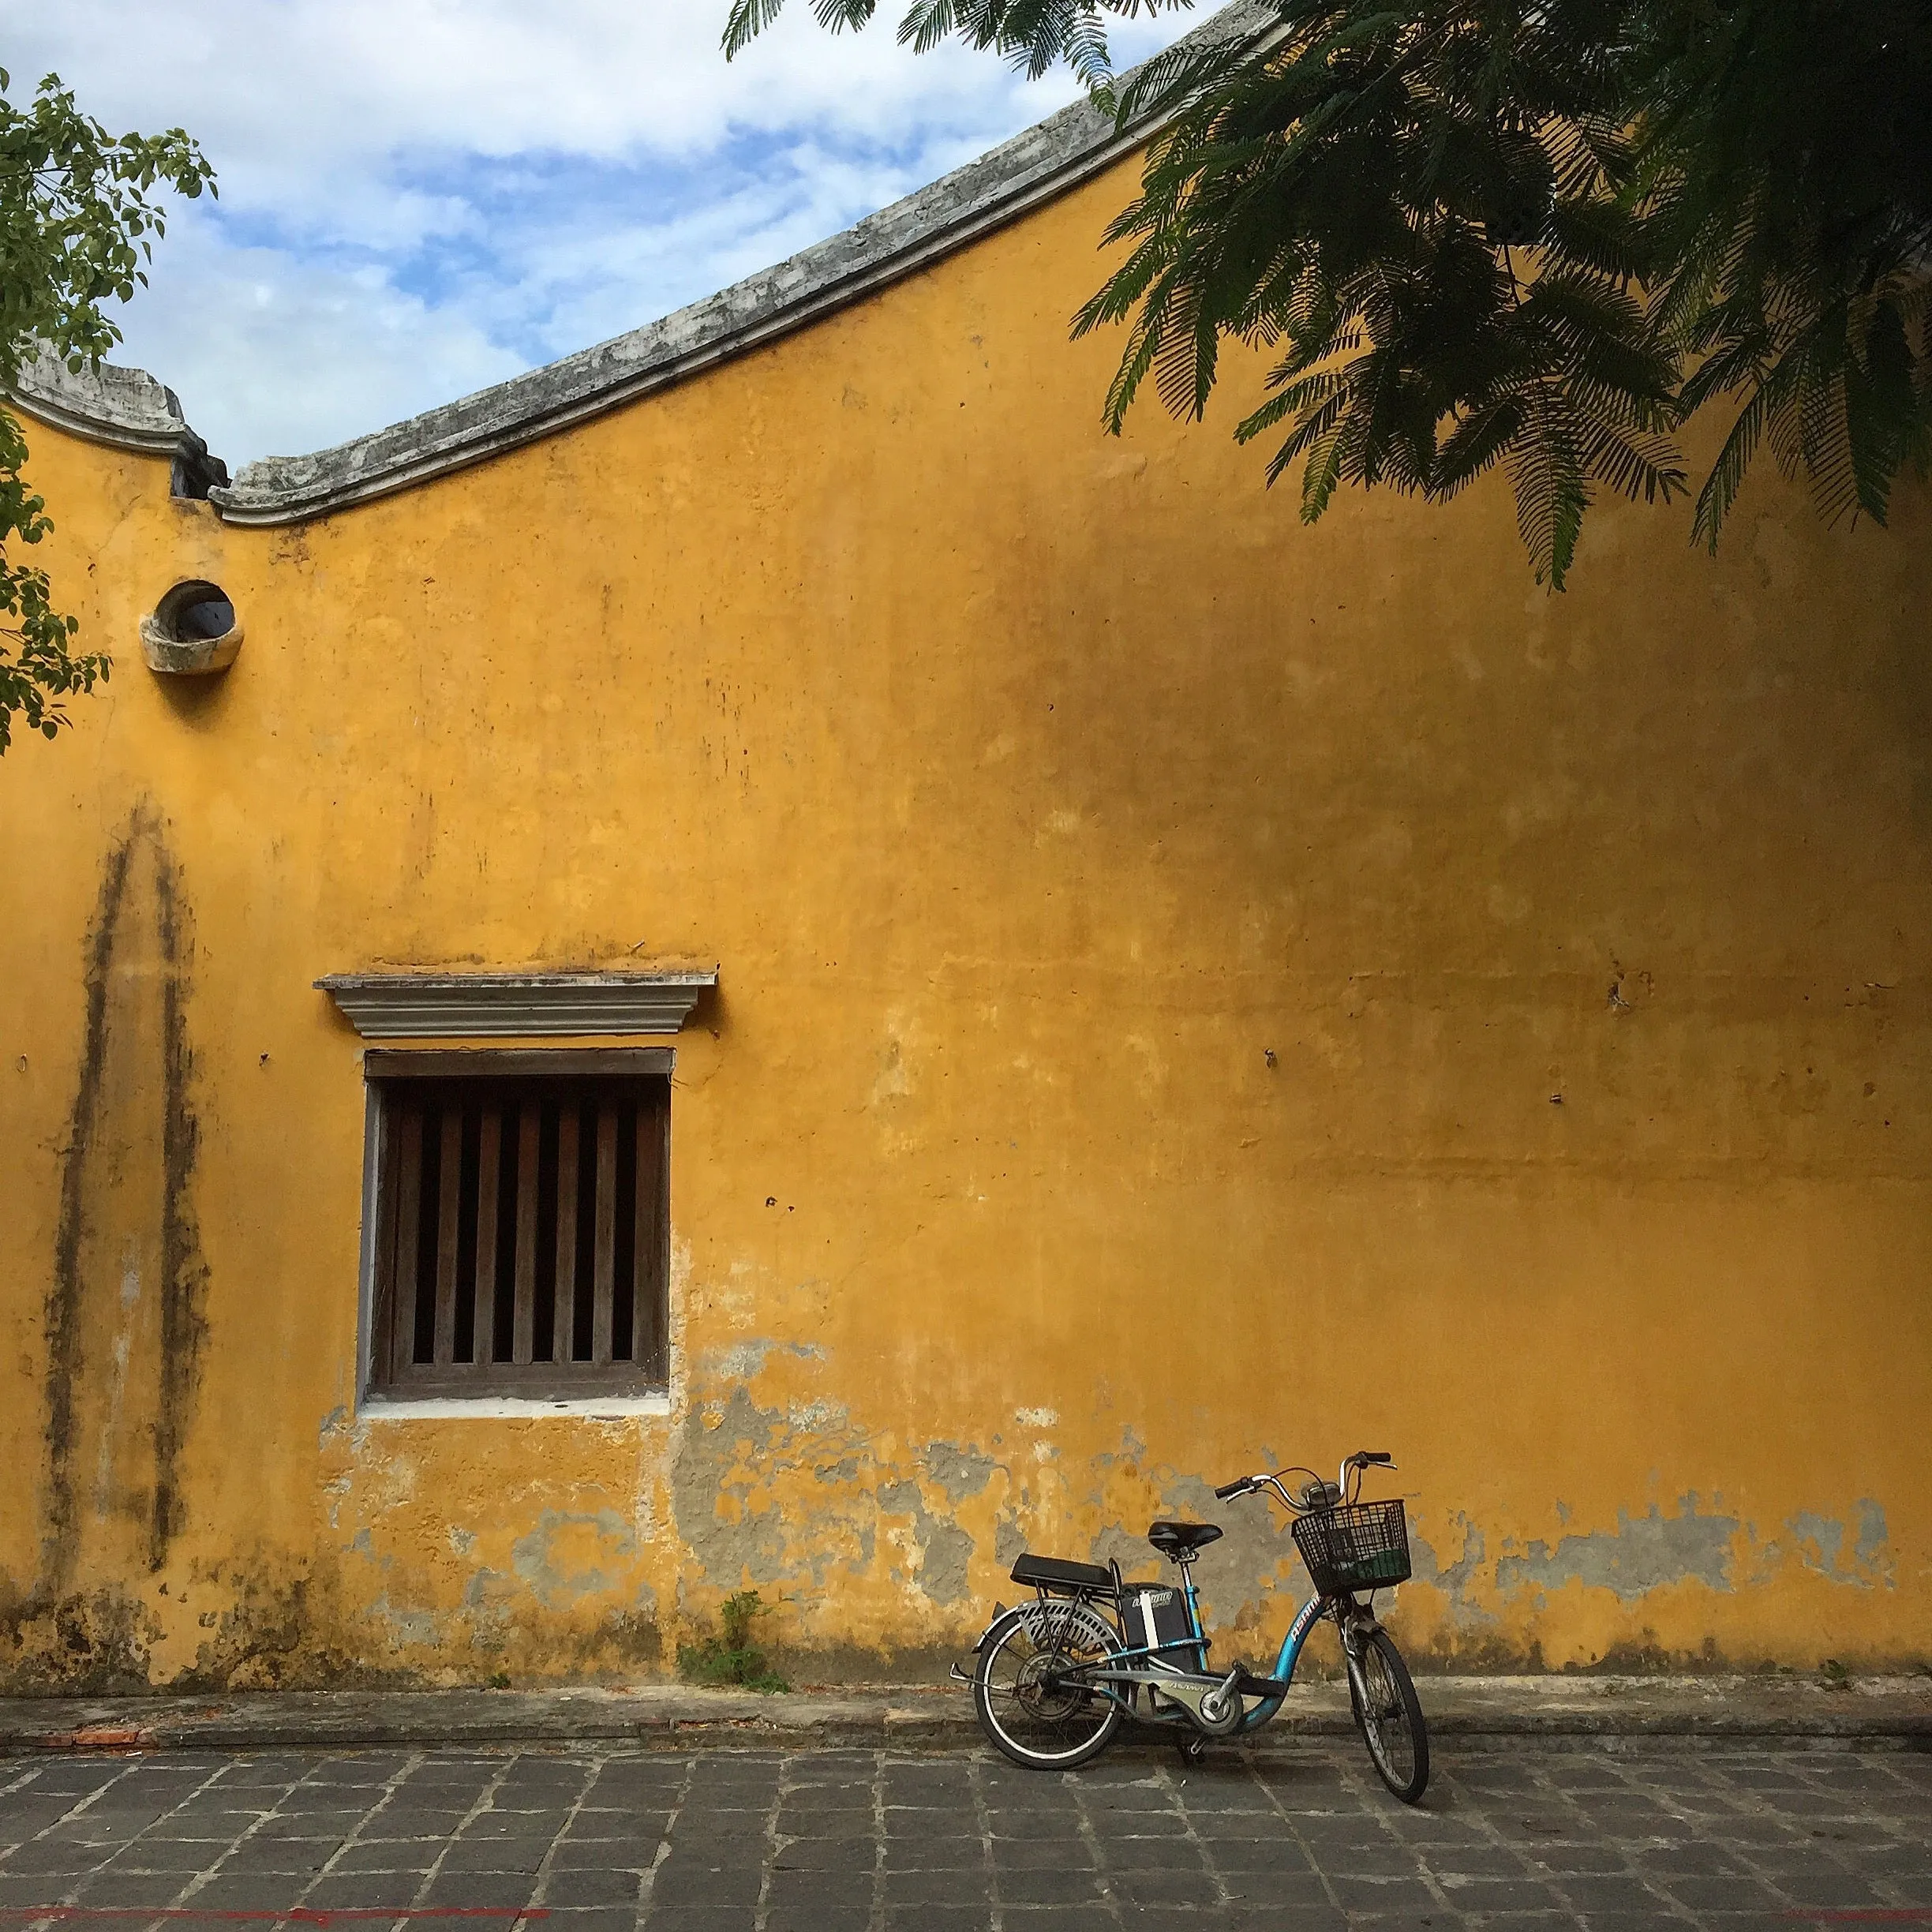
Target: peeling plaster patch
(744,1359)
(1821,1546)
(944,1549)
(758,1499)
(1037,1418)
(960,1472)
(539,1557)
(334,1423)
(1009,1540)
(489,1598)
(1642,1553)
(462,1541)
(407,1627)
(1453,1580)
(818,1417)
(1824,1534)
(942,1572)
(1873,1533)
(705,1484)
(484,1594)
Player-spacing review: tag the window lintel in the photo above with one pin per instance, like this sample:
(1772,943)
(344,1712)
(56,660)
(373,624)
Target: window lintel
(432,1006)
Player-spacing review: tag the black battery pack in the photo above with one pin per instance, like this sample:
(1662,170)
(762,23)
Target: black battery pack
(1153,1614)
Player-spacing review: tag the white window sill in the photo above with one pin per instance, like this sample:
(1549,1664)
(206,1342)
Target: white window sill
(508,1407)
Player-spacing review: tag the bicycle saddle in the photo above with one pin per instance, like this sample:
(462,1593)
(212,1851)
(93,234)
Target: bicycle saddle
(1181,1539)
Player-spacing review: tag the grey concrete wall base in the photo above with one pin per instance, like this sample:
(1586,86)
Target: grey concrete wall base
(1599,1712)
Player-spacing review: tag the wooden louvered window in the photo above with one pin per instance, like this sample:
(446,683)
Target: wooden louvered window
(522,1222)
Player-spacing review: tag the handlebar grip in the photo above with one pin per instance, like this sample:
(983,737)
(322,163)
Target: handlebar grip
(1228,1491)
(1369,1457)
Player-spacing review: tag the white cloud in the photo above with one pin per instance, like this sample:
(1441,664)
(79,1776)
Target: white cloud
(419,197)
(272,354)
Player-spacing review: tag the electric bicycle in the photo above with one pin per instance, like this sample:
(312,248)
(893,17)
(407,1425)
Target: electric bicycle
(1054,1680)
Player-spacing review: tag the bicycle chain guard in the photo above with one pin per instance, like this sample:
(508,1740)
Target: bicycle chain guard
(1213,1704)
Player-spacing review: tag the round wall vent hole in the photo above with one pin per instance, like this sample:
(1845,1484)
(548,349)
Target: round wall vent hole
(193,630)
(193,611)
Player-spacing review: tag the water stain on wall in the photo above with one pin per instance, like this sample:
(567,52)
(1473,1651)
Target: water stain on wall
(124,1307)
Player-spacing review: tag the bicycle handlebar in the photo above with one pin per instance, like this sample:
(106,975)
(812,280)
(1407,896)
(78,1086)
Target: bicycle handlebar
(1362,1459)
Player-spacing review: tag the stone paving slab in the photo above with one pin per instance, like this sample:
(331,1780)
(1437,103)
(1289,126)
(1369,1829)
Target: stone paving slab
(596,1838)
(1554,1710)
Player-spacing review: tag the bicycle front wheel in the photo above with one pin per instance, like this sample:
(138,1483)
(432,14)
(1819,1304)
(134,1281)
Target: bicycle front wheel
(1389,1716)
(1030,1700)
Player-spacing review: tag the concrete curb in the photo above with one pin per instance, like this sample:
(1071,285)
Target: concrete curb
(1876,1714)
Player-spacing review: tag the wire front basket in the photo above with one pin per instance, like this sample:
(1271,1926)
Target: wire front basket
(1361,1546)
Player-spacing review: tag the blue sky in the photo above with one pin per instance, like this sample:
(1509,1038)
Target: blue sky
(420,198)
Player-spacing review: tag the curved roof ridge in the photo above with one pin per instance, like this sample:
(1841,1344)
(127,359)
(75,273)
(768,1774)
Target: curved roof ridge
(1045,161)
(124,408)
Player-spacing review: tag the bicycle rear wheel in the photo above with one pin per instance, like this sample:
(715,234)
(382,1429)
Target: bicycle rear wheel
(1389,1715)
(1030,1701)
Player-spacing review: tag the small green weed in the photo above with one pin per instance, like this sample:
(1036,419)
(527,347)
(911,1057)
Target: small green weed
(498,1680)
(733,1658)
(1836,1677)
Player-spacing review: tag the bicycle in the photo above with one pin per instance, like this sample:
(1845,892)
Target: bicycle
(1054,1679)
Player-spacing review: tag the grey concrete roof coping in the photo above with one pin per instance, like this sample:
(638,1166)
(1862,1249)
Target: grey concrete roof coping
(124,408)
(1058,153)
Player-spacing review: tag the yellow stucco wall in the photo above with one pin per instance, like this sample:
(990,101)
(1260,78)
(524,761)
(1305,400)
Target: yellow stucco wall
(1031,789)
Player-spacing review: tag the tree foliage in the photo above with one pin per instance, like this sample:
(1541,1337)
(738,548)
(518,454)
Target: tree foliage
(1535,234)
(79,214)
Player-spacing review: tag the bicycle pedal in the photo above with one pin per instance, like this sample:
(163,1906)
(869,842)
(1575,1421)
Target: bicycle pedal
(1251,1684)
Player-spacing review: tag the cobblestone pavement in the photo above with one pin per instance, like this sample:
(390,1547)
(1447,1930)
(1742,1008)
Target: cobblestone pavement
(603,1839)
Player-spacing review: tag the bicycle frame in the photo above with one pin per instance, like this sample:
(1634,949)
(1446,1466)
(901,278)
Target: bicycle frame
(1306,1618)
(1191,1662)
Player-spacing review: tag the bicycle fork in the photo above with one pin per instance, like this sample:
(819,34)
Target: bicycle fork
(1355,1626)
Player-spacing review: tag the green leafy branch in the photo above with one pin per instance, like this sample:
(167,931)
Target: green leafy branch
(1034,35)
(38,668)
(1536,235)
(79,212)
